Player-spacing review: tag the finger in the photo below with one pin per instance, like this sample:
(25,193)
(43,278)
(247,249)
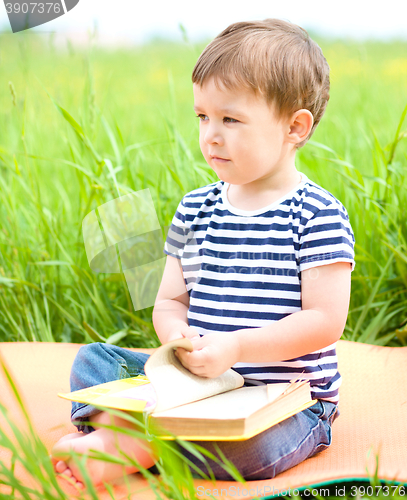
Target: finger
(189,363)
(194,358)
(198,342)
(184,353)
(198,370)
(188,331)
(181,353)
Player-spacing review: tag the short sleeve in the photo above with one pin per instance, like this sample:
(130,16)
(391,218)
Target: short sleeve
(327,238)
(177,233)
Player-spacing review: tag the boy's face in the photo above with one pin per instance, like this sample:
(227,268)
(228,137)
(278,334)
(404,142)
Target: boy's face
(240,136)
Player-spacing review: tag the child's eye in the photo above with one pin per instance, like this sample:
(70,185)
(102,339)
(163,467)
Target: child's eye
(229,120)
(202,117)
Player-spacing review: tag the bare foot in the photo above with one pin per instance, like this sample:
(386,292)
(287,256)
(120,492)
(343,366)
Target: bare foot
(104,440)
(61,466)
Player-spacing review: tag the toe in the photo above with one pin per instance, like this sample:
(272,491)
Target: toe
(79,485)
(67,472)
(60,466)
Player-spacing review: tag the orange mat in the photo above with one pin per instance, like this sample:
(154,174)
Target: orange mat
(373,418)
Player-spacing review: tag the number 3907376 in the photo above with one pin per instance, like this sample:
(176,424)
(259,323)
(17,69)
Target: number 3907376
(32,7)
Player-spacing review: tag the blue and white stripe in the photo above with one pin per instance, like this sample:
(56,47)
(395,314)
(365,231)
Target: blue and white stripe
(243,269)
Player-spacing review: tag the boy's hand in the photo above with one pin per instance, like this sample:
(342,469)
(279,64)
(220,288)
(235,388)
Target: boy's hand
(213,354)
(183,332)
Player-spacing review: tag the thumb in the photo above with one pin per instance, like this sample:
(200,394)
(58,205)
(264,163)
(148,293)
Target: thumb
(189,332)
(198,342)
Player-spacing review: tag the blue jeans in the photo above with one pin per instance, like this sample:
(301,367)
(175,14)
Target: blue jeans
(262,457)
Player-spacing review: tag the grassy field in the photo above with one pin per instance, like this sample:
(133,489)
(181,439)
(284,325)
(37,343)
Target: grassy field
(81,126)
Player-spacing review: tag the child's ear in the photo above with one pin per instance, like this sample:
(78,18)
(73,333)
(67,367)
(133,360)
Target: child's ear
(300,126)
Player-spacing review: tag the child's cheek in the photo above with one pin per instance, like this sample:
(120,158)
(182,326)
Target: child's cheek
(204,150)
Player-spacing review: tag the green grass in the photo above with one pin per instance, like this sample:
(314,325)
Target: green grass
(81,126)
(60,170)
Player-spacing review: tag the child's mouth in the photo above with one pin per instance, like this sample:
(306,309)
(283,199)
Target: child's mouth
(219,159)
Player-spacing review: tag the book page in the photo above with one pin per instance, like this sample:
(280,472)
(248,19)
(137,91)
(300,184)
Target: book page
(231,405)
(168,384)
(176,386)
(234,415)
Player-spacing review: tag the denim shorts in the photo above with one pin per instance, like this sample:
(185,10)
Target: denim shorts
(261,457)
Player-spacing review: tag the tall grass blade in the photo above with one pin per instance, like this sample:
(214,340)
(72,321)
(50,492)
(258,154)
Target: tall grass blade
(370,299)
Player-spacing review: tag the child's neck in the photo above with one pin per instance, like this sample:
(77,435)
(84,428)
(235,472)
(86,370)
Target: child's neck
(262,193)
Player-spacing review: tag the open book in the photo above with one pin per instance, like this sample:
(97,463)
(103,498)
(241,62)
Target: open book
(178,403)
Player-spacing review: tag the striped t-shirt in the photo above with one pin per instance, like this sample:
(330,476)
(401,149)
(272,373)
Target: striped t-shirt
(243,269)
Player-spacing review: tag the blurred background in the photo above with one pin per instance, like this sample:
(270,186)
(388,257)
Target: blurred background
(133,21)
(98,103)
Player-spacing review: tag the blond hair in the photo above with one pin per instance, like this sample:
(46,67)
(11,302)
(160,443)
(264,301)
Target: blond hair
(273,58)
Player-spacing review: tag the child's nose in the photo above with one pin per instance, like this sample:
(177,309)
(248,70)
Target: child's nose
(212,135)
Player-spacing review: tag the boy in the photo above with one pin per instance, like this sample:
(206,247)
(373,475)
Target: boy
(258,267)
